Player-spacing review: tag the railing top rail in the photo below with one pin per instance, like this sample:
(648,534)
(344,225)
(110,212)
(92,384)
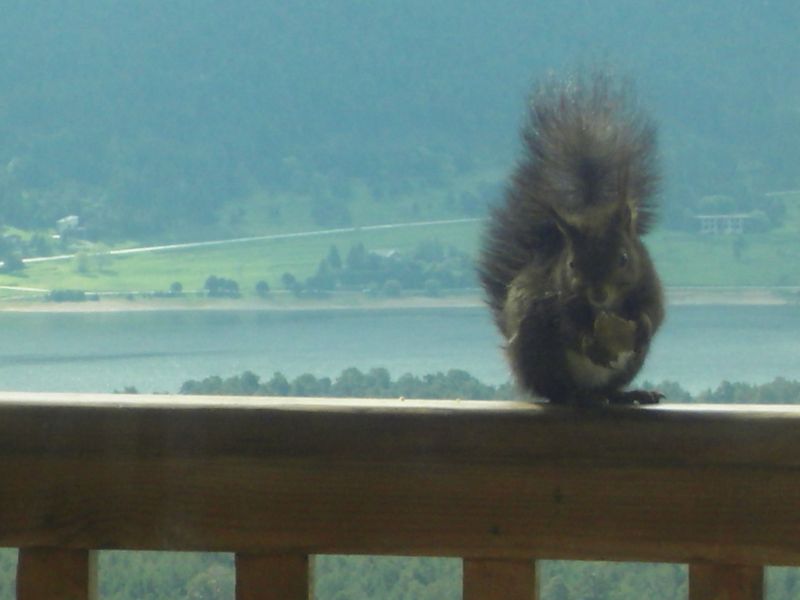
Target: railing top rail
(399,430)
(489,479)
(177,402)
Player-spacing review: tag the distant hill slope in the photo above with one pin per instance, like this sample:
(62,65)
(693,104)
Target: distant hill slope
(175,120)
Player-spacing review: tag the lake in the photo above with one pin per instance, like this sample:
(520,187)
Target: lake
(699,346)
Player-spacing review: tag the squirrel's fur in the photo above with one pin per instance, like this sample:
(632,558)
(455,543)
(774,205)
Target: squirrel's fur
(569,282)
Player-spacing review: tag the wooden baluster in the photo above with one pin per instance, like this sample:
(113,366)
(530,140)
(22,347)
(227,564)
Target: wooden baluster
(500,579)
(47,573)
(725,582)
(273,577)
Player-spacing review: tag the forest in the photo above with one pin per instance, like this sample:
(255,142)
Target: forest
(153,120)
(456,383)
(430,267)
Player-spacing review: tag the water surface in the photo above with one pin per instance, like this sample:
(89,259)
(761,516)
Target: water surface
(157,351)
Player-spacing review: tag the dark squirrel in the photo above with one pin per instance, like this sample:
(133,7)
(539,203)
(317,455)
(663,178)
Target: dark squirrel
(570,284)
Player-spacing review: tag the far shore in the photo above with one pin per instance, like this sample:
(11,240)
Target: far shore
(676,296)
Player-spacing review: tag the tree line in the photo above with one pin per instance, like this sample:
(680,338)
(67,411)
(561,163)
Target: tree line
(459,384)
(431,268)
(350,383)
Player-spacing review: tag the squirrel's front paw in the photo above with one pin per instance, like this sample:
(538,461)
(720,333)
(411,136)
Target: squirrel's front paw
(636,397)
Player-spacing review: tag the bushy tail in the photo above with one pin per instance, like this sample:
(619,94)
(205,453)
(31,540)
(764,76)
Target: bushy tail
(586,145)
(586,149)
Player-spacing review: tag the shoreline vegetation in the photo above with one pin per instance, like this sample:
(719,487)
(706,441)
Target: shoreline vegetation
(459,384)
(676,296)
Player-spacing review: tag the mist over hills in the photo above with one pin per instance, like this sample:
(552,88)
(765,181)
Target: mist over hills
(149,118)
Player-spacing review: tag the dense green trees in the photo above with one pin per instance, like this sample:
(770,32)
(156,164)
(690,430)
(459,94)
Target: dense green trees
(780,391)
(456,383)
(12,263)
(221,287)
(430,268)
(262,288)
(70,296)
(148,118)
(352,382)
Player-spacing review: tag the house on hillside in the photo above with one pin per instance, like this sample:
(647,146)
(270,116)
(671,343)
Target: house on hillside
(391,253)
(725,224)
(68,223)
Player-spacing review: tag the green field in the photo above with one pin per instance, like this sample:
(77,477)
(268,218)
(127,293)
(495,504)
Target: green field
(692,260)
(246,263)
(682,259)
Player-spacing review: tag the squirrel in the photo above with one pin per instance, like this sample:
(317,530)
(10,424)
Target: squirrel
(569,282)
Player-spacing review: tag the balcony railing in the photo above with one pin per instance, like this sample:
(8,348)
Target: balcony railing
(499,484)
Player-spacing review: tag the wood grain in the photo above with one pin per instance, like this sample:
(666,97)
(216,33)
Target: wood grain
(48,573)
(489,480)
(725,582)
(500,580)
(272,577)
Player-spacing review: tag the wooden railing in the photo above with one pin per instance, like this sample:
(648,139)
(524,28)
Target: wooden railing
(277,481)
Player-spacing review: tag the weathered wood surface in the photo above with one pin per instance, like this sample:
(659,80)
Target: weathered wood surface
(489,480)
(500,580)
(273,577)
(48,573)
(725,582)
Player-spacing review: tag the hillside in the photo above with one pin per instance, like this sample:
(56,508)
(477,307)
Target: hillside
(201,120)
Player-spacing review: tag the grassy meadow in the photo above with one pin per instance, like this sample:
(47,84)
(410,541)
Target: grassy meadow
(763,260)
(683,259)
(246,262)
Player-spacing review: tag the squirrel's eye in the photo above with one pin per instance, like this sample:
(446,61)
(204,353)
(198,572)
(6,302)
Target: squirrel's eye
(623,259)
(571,264)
